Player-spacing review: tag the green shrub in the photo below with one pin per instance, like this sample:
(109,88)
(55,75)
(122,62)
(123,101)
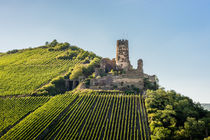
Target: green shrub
(85,70)
(150,85)
(207,138)
(57,85)
(50,49)
(89,69)
(92,55)
(82,55)
(87,82)
(55,46)
(62,46)
(68,55)
(48,89)
(74,48)
(12,51)
(53,43)
(93,75)
(59,82)
(77,71)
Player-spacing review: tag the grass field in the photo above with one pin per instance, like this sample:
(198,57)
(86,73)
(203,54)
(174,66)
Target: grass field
(85,116)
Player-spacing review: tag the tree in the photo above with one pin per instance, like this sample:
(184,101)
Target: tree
(207,124)
(90,68)
(194,128)
(161,133)
(46,43)
(78,71)
(179,115)
(53,43)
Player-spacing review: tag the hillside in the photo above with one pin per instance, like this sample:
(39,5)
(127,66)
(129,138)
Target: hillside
(88,114)
(24,71)
(37,102)
(14,109)
(85,115)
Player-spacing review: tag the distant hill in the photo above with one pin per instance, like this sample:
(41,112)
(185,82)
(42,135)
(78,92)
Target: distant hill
(206,106)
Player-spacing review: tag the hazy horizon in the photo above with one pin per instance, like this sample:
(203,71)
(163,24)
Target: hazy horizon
(172,37)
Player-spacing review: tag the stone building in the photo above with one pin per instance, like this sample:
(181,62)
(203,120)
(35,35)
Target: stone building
(128,78)
(122,55)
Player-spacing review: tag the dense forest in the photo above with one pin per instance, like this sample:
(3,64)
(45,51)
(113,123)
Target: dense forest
(174,116)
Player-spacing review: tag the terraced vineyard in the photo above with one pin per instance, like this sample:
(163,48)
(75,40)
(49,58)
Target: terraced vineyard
(85,116)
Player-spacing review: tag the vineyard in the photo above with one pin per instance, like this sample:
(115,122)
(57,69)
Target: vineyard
(85,116)
(27,70)
(46,93)
(13,109)
(35,103)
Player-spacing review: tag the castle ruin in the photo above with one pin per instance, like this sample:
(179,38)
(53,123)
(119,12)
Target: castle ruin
(118,73)
(122,55)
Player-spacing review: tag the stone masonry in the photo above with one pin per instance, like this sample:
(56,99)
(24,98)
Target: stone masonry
(129,78)
(122,55)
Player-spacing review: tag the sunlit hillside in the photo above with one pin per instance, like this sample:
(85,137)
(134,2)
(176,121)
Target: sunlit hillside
(23,71)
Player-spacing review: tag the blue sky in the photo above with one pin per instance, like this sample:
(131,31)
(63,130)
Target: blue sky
(171,36)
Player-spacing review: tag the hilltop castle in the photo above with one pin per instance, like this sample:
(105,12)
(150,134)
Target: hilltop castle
(118,73)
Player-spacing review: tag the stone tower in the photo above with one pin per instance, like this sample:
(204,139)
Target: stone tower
(140,66)
(122,55)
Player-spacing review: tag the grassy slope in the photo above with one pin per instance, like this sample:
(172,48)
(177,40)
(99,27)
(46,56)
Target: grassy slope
(83,116)
(23,72)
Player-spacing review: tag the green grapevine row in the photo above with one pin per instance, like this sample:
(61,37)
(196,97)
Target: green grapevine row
(13,109)
(33,124)
(24,72)
(86,116)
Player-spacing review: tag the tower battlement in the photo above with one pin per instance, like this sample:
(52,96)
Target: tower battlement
(122,42)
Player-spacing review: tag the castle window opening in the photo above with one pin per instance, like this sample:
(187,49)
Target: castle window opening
(122,83)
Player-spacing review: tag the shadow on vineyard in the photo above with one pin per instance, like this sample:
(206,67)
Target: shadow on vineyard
(5,130)
(14,110)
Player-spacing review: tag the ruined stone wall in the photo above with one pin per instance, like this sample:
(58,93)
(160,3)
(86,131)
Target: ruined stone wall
(151,78)
(126,82)
(130,79)
(140,66)
(107,64)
